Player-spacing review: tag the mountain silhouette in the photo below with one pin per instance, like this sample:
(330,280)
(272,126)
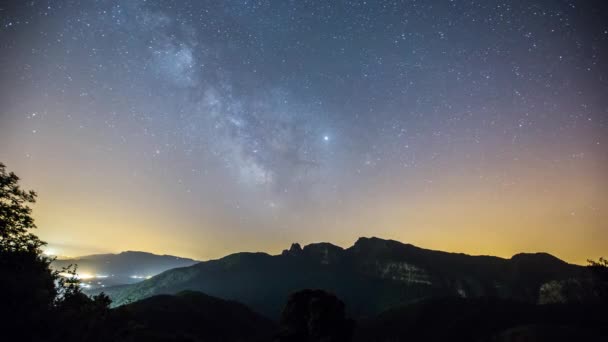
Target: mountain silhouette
(370,277)
(192,316)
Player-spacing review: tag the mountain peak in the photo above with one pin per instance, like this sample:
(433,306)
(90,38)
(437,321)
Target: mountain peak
(537,258)
(322,246)
(294,250)
(375,243)
(324,252)
(134,253)
(367,240)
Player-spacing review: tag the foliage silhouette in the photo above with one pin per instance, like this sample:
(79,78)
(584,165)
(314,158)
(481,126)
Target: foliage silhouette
(15,216)
(599,272)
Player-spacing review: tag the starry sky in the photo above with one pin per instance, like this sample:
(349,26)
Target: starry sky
(202,128)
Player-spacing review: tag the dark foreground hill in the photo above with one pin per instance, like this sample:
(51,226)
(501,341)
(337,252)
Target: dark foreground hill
(315,316)
(370,277)
(486,319)
(192,316)
(124,268)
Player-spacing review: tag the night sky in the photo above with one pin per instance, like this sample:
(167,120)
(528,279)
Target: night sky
(202,128)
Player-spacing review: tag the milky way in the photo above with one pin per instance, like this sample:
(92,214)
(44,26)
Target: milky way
(204,127)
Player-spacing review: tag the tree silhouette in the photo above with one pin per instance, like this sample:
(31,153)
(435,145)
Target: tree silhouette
(314,315)
(88,317)
(27,289)
(15,215)
(599,273)
(35,302)
(599,268)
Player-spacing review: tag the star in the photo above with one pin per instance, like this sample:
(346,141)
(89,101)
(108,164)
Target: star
(244,102)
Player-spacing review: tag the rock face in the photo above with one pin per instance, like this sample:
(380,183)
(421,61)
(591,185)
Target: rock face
(568,291)
(403,272)
(314,315)
(370,277)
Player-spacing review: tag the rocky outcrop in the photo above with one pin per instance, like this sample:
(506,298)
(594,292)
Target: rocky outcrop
(294,250)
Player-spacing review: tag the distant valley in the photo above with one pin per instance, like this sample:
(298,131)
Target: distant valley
(104,270)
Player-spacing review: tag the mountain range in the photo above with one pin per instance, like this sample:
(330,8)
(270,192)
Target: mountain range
(370,277)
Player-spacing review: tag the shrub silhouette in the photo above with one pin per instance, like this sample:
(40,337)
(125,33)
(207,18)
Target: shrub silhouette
(314,315)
